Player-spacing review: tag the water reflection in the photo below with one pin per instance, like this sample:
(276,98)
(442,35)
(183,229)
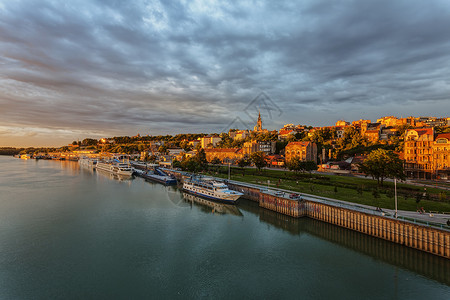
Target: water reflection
(113,176)
(211,206)
(431,266)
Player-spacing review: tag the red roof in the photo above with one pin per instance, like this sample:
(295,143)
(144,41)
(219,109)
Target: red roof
(285,131)
(222,150)
(298,143)
(423,131)
(443,136)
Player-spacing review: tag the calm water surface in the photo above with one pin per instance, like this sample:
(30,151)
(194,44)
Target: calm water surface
(70,233)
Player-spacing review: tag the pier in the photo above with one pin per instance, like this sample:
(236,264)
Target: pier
(431,238)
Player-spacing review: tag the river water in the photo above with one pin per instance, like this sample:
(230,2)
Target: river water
(70,233)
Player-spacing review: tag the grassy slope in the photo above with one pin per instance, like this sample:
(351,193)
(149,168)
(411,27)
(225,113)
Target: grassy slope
(324,185)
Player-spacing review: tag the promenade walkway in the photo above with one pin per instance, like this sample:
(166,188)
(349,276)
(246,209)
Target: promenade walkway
(428,218)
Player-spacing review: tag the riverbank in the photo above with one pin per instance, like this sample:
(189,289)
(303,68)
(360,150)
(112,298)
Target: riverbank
(351,189)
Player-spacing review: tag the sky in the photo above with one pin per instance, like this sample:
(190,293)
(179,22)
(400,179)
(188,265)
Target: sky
(70,70)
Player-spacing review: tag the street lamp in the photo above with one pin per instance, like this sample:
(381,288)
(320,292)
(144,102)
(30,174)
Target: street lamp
(395,196)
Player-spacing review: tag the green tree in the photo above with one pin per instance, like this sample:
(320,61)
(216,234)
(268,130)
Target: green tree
(381,164)
(200,159)
(242,163)
(89,142)
(295,164)
(176,163)
(185,145)
(162,149)
(309,166)
(216,161)
(258,159)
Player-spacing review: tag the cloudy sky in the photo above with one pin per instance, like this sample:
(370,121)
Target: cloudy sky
(76,69)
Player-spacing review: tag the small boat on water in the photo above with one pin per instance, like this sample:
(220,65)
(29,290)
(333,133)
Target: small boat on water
(115,167)
(210,189)
(158,175)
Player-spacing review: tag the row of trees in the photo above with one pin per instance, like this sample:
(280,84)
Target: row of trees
(198,162)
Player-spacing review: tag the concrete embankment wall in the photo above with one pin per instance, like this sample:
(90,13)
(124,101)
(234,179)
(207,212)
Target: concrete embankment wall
(412,235)
(405,233)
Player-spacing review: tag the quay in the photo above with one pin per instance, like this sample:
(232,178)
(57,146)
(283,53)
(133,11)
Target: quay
(426,236)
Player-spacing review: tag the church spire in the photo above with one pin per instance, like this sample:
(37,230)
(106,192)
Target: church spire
(259,124)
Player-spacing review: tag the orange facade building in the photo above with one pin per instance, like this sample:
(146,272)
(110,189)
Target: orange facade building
(304,150)
(426,154)
(441,155)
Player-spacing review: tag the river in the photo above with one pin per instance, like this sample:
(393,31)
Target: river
(70,233)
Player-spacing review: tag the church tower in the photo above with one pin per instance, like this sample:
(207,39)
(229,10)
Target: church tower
(258,126)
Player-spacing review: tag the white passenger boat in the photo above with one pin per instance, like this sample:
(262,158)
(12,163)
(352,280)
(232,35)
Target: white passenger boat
(210,189)
(87,162)
(115,167)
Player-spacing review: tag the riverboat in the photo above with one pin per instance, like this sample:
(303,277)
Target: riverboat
(158,175)
(87,162)
(210,189)
(115,167)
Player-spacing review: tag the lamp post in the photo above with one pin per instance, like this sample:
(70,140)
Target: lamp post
(229,166)
(395,196)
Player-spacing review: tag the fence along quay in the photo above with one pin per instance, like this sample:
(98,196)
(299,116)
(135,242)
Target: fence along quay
(414,235)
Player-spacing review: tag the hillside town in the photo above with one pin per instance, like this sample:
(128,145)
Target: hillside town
(422,143)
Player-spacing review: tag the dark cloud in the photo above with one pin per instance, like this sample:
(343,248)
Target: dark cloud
(172,66)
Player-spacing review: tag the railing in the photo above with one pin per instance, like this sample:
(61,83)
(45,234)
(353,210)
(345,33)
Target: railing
(349,206)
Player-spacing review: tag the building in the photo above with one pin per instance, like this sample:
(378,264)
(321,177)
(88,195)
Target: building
(193,143)
(340,130)
(225,155)
(342,123)
(250,147)
(358,124)
(387,132)
(441,155)
(258,127)
(388,121)
(209,141)
(288,130)
(304,150)
(275,160)
(284,133)
(418,150)
(432,121)
(239,134)
(371,131)
(268,147)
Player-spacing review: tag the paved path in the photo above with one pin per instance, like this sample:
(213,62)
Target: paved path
(440,219)
(424,217)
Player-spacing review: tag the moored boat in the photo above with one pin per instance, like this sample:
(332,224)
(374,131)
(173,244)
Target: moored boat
(115,167)
(87,162)
(158,175)
(211,189)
